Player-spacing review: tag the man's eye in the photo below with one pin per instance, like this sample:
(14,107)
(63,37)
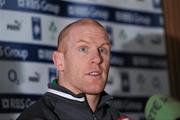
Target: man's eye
(83,49)
(103,50)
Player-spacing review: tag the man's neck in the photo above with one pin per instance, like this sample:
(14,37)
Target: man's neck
(92,101)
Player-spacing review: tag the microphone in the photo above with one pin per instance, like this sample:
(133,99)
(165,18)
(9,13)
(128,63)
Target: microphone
(160,107)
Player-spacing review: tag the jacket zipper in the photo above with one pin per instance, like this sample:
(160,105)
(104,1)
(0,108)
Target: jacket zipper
(93,113)
(94,116)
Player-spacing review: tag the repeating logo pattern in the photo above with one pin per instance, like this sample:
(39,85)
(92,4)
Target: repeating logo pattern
(125,26)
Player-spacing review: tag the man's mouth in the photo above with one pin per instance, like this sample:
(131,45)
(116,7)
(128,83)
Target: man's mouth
(94,73)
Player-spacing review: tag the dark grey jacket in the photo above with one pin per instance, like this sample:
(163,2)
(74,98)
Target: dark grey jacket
(61,104)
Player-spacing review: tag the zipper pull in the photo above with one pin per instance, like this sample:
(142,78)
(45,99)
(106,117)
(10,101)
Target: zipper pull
(94,117)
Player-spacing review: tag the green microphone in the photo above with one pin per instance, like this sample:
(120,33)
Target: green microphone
(161,107)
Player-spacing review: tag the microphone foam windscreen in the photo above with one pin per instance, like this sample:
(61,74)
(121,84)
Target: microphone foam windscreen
(159,107)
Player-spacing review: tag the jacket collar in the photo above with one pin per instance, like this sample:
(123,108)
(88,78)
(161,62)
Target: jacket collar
(105,99)
(58,90)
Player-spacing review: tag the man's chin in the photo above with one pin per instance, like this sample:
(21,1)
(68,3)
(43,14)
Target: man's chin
(94,91)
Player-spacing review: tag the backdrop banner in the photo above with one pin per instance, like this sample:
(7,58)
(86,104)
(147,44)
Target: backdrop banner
(28,36)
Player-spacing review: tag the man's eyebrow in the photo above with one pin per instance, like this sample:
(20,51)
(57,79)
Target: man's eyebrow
(107,43)
(82,41)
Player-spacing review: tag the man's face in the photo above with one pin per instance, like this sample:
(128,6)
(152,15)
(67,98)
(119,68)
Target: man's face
(86,59)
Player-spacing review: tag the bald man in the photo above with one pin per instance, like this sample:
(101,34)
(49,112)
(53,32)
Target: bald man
(82,59)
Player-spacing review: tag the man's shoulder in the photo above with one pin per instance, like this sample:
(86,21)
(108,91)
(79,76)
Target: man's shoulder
(41,108)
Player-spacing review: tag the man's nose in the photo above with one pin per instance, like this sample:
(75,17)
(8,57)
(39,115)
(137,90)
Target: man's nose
(96,57)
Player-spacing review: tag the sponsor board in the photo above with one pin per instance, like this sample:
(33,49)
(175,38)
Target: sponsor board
(138,39)
(25,77)
(31,29)
(29,33)
(12,26)
(14,103)
(137,82)
(138,60)
(25,52)
(84,10)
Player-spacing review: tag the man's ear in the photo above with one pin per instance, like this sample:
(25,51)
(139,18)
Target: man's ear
(58,59)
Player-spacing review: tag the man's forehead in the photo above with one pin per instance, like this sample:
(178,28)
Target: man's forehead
(86,28)
(86,41)
(86,34)
(76,29)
